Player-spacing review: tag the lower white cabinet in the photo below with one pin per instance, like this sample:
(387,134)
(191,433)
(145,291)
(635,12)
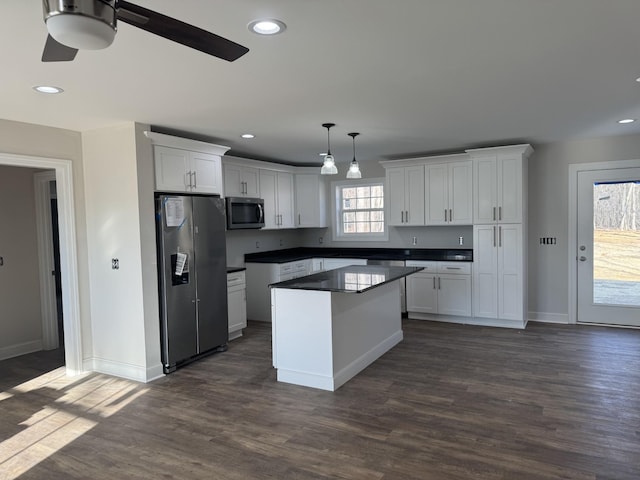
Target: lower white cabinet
(237,303)
(498,276)
(442,288)
(261,275)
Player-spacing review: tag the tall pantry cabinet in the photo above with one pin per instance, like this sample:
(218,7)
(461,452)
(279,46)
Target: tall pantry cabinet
(499,234)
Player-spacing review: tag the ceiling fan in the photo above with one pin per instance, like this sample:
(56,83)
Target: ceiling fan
(92,24)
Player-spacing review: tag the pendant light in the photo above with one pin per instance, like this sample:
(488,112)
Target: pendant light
(329,165)
(354,168)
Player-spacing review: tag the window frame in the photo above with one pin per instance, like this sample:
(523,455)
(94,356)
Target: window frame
(338,234)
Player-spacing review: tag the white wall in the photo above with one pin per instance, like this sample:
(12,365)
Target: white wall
(548,214)
(20,316)
(37,140)
(115,231)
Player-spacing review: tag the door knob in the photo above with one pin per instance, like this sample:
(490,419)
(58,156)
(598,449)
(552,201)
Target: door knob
(583,258)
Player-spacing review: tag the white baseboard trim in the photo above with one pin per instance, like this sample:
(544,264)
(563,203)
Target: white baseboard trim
(332,383)
(485,322)
(20,349)
(123,370)
(544,317)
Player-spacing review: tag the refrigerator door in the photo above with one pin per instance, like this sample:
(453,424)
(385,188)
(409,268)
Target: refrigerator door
(211,271)
(177,281)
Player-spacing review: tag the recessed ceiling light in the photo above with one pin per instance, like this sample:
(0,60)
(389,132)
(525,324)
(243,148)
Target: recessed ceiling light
(248,135)
(48,89)
(627,120)
(269,26)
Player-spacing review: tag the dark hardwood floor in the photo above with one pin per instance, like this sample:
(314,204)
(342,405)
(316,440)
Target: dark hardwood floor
(449,402)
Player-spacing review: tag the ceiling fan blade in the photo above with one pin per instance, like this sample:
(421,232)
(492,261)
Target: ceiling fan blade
(57,52)
(179,32)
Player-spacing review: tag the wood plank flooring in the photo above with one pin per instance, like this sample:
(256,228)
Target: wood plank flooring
(450,402)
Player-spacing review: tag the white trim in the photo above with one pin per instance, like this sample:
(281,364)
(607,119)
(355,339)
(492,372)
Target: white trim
(572,224)
(185,143)
(543,317)
(20,349)
(124,370)
(335,229)
(46,262)
(68,251)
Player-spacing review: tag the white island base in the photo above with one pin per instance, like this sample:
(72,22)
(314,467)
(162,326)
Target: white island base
(322,339)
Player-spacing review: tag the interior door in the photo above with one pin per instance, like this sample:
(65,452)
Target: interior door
(608,247)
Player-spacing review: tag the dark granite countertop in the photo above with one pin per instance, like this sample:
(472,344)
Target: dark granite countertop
(235,269)
(351,279)
(303,253)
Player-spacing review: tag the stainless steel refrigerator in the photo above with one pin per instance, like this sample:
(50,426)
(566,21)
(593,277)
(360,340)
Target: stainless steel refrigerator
(192,268)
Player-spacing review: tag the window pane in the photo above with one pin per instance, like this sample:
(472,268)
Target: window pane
(349,192)
(349,217)
(349,204)
(362,228)
(349,228)
(376,191)
(377,227)
(363,203)
(362,216)
(377,203)
(363,192)
(379,216)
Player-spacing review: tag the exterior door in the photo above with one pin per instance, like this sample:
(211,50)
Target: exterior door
(608,246)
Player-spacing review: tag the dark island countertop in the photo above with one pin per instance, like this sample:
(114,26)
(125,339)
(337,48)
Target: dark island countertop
(235,269)
(304,253)
(350,279)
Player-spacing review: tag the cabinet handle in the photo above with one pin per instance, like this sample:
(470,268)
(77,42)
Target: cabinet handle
(494,236)
(406,216)
(445,214)
(453,268)
(195,180)
(439,284)
(401,216)
(500,236)
(450,215)
(499,213)
(299,222)
(494,214)
(187,179)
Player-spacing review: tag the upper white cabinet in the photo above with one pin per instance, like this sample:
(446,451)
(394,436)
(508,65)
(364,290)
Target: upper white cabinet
(405,193)
(276,188)
(448,197)
(183,165)
(499,184)
(311,208)
(241,181)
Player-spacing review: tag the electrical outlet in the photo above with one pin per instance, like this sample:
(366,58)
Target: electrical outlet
(257,244)
(320,240)
(460,240)
(414,240)
(115,264)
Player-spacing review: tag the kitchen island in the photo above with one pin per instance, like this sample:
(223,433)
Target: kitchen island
(329,326)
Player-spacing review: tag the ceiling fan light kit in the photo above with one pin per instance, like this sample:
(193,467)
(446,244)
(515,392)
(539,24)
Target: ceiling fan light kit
(329,164)
(92,24)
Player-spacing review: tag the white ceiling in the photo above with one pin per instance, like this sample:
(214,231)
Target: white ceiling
(412,76)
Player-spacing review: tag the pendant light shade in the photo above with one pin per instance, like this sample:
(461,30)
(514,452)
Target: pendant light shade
(354,168)
(329,165)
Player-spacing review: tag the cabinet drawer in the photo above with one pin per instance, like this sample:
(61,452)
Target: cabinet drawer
(460,268)
(301,266)
(429,267)
(235,278)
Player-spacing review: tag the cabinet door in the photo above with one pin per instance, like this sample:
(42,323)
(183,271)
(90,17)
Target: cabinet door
(268,184)
(460,193)
(395,195)
(172,169)
(233,186)
(485,271)
(236,298)
(414,195)
(251,178)
(485,190)
(510,189)
(510,272)
(206,170)
(422,293)
(310,201)
(436,195)
(285,199)
(454,295)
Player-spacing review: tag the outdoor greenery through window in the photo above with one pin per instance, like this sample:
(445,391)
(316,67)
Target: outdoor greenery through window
(361,210)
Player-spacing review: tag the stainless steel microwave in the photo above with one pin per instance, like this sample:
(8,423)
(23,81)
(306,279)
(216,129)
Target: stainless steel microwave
(244,212)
